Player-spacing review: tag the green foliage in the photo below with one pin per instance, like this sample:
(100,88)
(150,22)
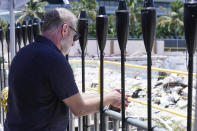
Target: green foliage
(112,26)
(90,6)
(33,9)
(4,26)
(172,24)
(92,30)
(135,7)
(168,26)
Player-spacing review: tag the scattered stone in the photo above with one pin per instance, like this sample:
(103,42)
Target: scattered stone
(173,84)
(94,85)
(162,75)
(136,93)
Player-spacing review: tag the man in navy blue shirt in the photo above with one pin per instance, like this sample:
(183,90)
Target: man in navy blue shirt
(41,82)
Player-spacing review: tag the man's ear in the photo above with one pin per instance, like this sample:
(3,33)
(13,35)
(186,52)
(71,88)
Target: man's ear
(65,29)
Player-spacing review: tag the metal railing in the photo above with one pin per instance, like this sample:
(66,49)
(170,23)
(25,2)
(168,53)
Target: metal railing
(112,121)
(141,68)
(27,32)
(4,66)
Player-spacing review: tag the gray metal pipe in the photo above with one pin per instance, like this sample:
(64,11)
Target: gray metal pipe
(130,120)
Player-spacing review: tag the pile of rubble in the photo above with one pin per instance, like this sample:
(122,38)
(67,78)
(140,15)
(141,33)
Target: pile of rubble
(169,91)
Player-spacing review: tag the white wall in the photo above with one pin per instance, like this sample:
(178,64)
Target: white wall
(134,47)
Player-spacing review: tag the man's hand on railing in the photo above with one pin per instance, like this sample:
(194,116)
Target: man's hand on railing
(115,98)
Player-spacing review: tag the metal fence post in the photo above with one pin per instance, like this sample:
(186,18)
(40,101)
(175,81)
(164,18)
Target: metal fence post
(1,40)
(30,31)
(101,35)
(96,122)
(83,32)
(36,28)
(115,125)
(71,122)
(148,14)
(18,35)
(80,124)
(2,77)
(106,120)
(190,26)
(7,35)
(122,27)
(24,32)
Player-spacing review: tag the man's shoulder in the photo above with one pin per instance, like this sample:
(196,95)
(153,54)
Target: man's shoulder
(42,50)
(41,53)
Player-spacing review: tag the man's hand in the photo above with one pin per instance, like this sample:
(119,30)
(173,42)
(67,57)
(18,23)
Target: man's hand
(115,98)
(84,104)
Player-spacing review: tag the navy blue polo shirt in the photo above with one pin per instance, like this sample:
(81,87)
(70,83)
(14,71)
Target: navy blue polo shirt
(39,79)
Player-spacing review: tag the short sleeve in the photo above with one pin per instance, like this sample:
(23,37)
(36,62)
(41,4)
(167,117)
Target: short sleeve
(62,79)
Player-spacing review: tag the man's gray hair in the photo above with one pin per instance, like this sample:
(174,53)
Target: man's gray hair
(56,17)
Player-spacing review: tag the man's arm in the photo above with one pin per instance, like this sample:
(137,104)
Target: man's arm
(84,104)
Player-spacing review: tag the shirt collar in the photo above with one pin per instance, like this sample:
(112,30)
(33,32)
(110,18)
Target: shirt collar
(44,40)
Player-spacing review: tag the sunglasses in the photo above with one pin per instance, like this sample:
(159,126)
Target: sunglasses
(76,36)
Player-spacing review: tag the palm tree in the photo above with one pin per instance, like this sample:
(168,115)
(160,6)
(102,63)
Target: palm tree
(135,7)
(172,24)
(33,9)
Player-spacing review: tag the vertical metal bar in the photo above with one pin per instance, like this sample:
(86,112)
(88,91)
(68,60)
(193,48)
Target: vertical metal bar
(36,29)
(149,91)
(190,27)
(88,122)
(190,86)
(16,40)
(102,124)
(67,57)
(30,31)
(101,34)
(12,29)
(71,122)
(8,43)
(80,124)
(19,35)
(1,115)
(128,127)
(2,86)
(195,125)
(83,31)
(24,32)
(148,15)
(83,87)
(139,129)
(41,24)
(122,27)
(106,120)
(1,40)
(2,53)
(115,125)
(123,89)
(68,126)
(96,122)
(2,61)
(1,76)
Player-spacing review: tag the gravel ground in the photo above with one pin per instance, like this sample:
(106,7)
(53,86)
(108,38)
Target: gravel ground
(172,97)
